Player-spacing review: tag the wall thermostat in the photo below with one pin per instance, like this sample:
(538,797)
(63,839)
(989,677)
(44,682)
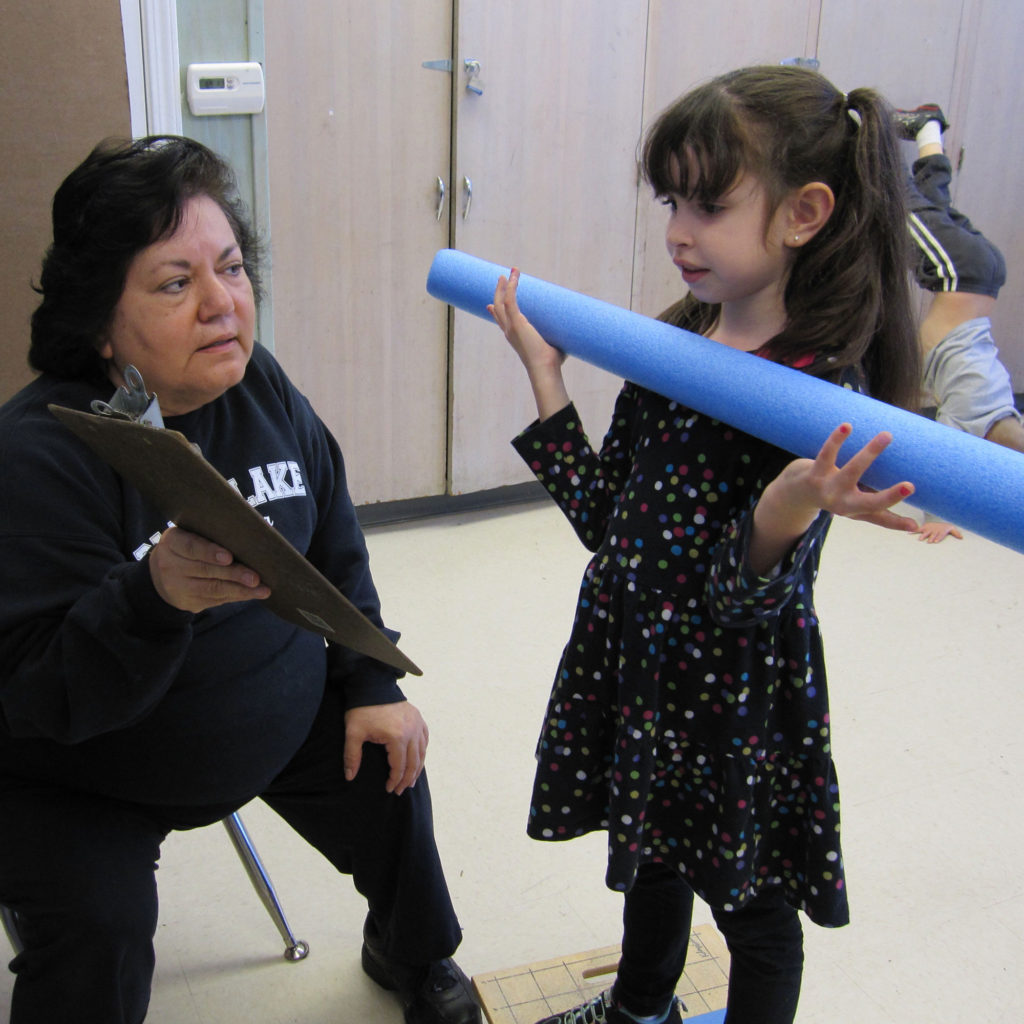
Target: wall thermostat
(233,88)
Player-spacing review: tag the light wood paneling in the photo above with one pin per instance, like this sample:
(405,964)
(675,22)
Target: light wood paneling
(359,132)
(550,148)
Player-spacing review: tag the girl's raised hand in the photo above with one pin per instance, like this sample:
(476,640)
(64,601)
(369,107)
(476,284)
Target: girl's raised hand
(531,348)
(792,501)
(543,362)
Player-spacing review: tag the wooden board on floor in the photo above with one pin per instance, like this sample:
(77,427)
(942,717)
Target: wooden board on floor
(523,995)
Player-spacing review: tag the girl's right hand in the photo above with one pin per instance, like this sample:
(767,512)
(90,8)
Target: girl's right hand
(531,348)
(543,362)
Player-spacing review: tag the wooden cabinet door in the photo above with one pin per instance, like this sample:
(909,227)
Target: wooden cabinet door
(359,135)
(549,147)
(908,52)
(688,44)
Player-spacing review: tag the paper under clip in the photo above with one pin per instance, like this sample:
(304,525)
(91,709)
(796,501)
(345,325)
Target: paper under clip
(131,401)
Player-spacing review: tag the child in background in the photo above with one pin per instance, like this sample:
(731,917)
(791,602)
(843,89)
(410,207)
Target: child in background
(689,717)
(964,272)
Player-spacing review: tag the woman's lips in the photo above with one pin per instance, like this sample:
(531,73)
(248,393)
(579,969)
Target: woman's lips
(219,343)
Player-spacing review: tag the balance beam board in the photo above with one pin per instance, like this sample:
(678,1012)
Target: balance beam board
(528,993)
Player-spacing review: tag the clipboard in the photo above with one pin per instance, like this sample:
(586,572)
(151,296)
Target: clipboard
(171,473)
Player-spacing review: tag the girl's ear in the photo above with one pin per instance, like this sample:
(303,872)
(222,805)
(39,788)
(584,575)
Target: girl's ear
(807,210)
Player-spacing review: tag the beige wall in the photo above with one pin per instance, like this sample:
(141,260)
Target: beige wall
(63,87)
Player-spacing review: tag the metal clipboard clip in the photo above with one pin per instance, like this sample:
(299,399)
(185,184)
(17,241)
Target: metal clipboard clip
(131,401)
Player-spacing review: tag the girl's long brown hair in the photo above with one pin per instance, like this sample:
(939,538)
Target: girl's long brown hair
(848,295)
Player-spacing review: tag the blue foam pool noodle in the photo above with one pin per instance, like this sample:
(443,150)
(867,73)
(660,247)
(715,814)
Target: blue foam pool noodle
(963,479)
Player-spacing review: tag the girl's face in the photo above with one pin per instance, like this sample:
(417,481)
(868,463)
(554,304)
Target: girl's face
(186,318)
(725,251)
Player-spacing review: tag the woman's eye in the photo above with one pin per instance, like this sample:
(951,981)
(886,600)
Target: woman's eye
(667,201)
(175,286)
(711,208)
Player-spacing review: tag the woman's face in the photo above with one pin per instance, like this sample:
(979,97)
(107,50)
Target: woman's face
(186,318)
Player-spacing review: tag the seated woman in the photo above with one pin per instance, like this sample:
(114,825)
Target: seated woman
(144,686)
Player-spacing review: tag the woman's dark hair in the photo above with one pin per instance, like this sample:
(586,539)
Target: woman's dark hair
(122,198)
(848,295)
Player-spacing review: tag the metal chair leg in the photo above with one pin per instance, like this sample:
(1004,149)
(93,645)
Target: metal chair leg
(10,924)
(294,949)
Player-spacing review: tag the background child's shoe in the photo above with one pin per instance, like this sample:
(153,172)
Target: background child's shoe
(910,122)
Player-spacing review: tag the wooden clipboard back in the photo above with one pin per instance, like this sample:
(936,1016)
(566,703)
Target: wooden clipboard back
(171,473)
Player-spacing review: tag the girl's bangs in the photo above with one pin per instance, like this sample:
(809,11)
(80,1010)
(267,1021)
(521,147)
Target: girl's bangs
(695,154)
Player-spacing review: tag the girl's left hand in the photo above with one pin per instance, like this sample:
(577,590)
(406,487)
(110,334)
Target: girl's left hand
(807,485)
(792,501)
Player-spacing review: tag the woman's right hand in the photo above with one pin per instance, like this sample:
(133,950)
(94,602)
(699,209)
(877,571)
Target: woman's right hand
(543,362)
(193,574)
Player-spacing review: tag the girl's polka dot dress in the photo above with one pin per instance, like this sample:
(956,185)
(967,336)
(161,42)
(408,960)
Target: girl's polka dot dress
(689,716)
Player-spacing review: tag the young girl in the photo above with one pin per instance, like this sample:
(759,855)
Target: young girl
(689,716)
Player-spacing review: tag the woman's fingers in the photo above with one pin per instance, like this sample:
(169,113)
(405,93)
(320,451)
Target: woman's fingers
(192,573)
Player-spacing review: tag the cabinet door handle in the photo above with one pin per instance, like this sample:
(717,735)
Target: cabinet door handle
(440,197)
(467,189)
(473,76)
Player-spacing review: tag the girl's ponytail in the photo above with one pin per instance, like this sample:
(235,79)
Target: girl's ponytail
(892,359)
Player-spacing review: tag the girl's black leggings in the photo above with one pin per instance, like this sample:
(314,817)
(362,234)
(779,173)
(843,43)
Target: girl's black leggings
(765,943)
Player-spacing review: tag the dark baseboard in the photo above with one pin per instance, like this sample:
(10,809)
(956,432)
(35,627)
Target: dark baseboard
(385,513)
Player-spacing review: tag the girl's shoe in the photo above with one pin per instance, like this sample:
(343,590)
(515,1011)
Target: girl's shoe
(602,1010)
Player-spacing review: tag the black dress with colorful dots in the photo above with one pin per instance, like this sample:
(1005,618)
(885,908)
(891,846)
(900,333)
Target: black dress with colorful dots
(689,716)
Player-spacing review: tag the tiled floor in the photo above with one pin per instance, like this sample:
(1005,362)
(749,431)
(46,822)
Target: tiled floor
(924,646)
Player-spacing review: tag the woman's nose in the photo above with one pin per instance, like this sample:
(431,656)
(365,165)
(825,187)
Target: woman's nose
(216,298)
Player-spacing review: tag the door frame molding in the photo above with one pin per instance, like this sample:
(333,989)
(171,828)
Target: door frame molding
(151,56)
